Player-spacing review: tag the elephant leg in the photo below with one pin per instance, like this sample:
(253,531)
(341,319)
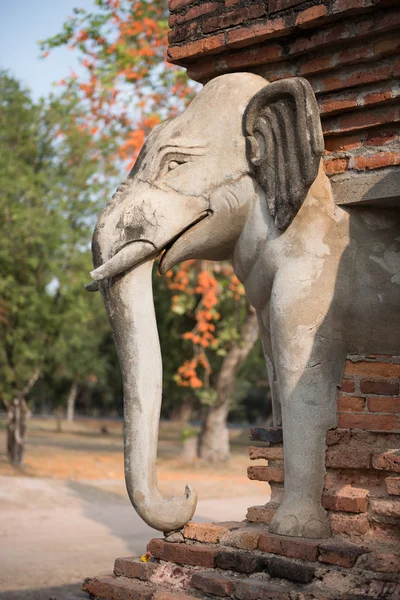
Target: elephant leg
(308,392)
(268,356)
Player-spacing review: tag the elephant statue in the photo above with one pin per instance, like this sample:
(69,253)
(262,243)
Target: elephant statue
(238,175)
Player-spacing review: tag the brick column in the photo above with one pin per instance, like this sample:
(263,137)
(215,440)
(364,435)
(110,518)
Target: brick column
(347,49)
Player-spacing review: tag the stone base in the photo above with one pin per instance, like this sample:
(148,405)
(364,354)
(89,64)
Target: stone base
(244,561)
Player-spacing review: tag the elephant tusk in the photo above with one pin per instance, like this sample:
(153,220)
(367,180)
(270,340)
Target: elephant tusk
(129,256)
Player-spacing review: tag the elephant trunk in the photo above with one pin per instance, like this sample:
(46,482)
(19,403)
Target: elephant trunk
(129,303)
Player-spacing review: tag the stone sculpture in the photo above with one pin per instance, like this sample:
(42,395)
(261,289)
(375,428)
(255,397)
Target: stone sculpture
(238,175)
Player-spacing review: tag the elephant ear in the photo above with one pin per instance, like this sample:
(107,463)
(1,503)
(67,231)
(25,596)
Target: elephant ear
(285,146)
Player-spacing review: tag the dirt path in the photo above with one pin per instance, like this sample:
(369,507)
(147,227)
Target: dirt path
(55,533)
(65,515)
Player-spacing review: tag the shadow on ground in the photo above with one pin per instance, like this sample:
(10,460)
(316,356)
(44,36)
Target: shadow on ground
(61,592)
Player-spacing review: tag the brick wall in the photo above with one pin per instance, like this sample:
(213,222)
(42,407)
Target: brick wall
(362,483)
(347,49)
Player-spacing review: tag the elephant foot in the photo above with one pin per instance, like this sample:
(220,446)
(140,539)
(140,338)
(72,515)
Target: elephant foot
(308,521)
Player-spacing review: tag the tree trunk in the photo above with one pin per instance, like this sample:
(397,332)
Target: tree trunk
(73,392)
(214,437)
(18,415)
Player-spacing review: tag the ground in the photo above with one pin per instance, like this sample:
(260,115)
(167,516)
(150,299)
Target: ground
(65,513)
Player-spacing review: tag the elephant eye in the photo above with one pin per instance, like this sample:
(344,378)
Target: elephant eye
(173,164)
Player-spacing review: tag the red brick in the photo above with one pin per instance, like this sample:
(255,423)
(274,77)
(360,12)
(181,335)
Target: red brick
(365,368)
(178,4)
(185,554)
(245,538)
(213,583)
(384,405)
(385,508)
(307,18)
(387,45)
(393,485)
(253,34)
(386,531)
(212,44)
(351,404)
(202,69)
(134,568)
(109,586)
(347,499)
(339,553)
(381,563)
(342,523)
(234,17)
(320,63)
(256,453)
(348,385)
(258,56)
(376,387)
(381,138)
(195,12)
(301,548)
(387,20)
(335,144)
(183,32)
(262,514)
(335,103)
(346,5)
(372,422)
(336,165)
(376,161)
(277,5)
(231,3)
(387,461)
(241,562)
(347,458)
(209,533)
(288,568)
(353,77)
(250,589)
(266,474)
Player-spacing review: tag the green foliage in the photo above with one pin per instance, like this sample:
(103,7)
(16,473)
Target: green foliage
(49,177)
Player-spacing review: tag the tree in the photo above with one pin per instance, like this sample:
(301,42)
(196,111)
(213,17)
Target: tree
(128,84)
(48,166)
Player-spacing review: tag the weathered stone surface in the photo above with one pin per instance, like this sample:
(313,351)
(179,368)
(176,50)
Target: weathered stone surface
(379,562)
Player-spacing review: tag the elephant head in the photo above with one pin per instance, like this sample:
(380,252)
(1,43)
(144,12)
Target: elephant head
(189,195)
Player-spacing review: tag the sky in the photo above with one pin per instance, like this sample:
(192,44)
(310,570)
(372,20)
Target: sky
(22,24)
